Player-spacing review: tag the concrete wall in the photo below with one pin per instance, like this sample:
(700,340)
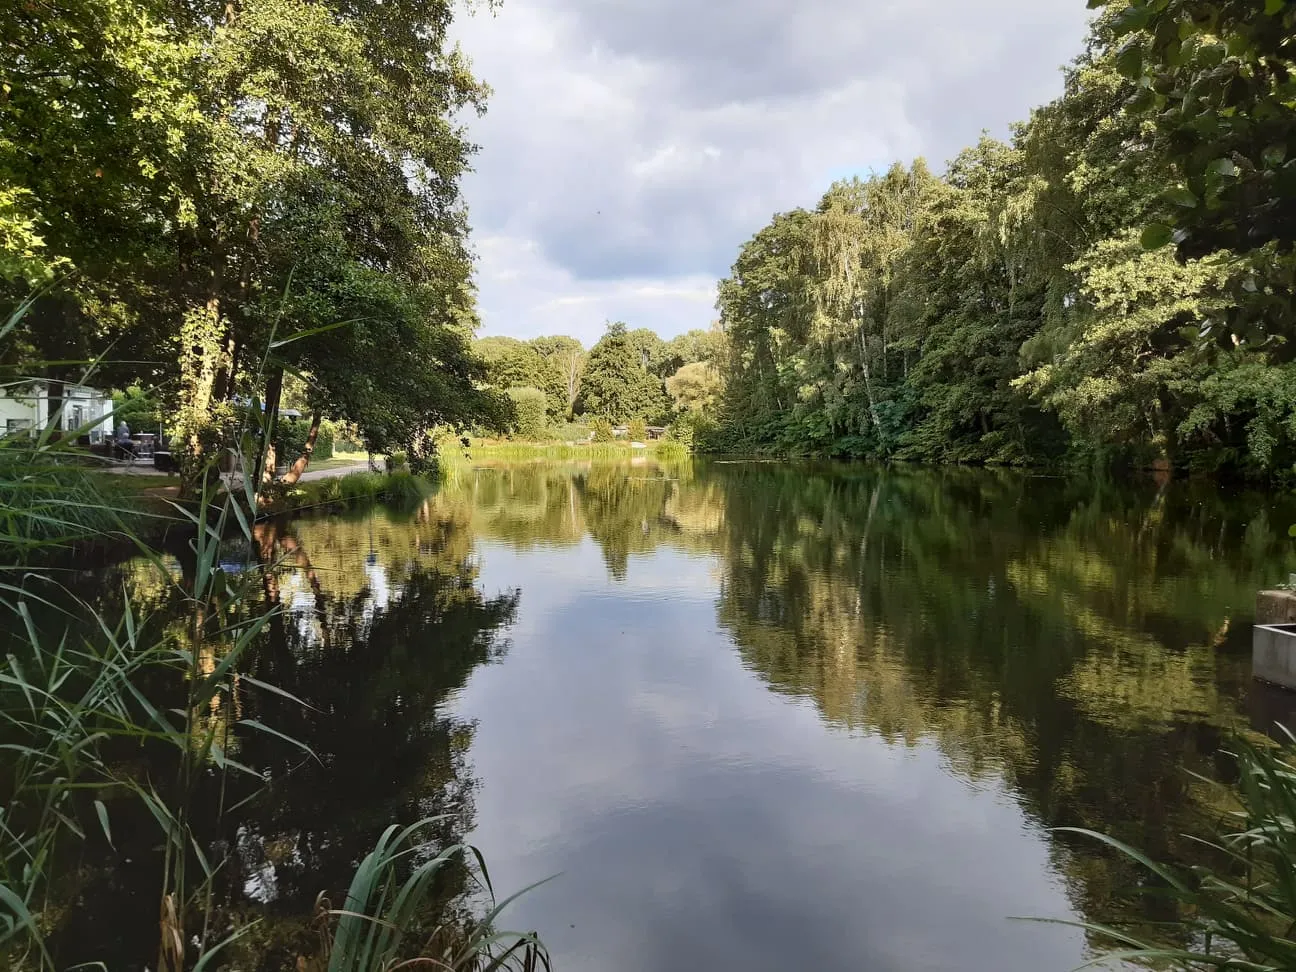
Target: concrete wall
(1273,654)
(17,406)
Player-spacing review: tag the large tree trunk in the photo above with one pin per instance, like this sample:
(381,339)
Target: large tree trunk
(264,468)
(298,467)
(54,391)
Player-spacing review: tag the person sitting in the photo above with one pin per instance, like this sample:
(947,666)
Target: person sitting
(125,447)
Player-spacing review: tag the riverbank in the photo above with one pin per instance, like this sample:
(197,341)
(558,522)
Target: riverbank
(339,492)
(563,451)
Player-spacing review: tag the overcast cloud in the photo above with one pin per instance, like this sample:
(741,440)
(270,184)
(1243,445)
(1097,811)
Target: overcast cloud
(631,146)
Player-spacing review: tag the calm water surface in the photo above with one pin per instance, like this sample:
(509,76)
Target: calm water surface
(754,716)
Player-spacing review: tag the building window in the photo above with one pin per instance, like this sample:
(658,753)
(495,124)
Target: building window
(16,425)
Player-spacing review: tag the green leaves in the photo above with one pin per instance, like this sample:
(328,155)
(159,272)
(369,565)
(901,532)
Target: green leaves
(1155,236)
(102,812)
(617,384)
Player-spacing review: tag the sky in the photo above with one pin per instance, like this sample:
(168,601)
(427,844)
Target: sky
(630,147)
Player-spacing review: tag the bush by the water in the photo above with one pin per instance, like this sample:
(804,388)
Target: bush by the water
(570,432)
(637,430)
(400,487)
(531,421)
(602,430)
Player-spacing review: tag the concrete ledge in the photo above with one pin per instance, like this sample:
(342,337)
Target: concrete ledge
(1273,654)
(1275,607)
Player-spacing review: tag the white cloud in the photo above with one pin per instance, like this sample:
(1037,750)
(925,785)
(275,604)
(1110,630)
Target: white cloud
(524,295)
(631,146)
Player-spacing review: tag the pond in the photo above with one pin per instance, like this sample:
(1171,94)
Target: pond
(758,716)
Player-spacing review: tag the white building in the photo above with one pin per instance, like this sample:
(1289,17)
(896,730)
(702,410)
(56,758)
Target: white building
(83,408)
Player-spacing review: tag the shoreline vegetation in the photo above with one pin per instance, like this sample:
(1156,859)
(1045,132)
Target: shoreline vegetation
(112,724)
(1111,286)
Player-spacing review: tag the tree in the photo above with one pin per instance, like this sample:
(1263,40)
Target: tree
(1004,313)
(692,346)
(91,128)
(211,164)
(650,348)
(566,357)
(529,405)
(695,387)
(763,314)
(617,385)
(1218,84)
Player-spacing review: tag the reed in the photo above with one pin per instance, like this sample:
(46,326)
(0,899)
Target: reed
(76,688)
(1240,913)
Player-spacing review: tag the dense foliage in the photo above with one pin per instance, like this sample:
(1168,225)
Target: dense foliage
(1027,305)
(529,407)
(196,184)
(627,375)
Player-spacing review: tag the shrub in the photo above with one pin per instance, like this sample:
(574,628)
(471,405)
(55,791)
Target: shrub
(358,485)
(403,488)
(602,430)
(397,460)
(531,420)
(570,432)
(638,430)
(137,408)
(325,441)
(682,430)
(698,433)
(290,439)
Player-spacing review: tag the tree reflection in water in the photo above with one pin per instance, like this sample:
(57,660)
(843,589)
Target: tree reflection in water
(1085,644)
(379,619)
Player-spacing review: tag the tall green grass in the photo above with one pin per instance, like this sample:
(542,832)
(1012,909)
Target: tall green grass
(1241,913)
(400,488)
(75,688)
(381,913)
(67,699)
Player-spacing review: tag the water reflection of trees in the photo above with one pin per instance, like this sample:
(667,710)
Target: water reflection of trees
(1084,642)
(1081,643)
(626,509)
(381,620)
(378,619)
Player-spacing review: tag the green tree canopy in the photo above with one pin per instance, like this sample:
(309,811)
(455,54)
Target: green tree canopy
(695,387)
(205,175)
(566,358)
(618,384)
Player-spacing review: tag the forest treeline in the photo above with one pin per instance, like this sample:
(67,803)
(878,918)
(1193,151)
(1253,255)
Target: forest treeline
(627,376)
(1113,283)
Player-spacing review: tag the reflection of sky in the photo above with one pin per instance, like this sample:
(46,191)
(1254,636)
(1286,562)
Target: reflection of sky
(302,612)
(700,821)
